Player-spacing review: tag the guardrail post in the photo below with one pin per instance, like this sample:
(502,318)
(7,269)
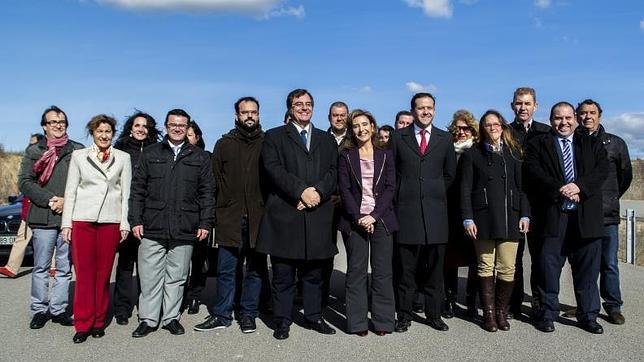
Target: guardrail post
(630,236)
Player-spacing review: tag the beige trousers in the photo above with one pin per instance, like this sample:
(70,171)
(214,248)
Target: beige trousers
(19,248)
(496,254)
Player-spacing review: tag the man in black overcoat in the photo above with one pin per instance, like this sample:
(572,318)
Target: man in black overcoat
(568,170)
(300,162)
(425,167)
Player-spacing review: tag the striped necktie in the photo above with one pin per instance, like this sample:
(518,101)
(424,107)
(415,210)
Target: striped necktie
(303,135)
(569,171)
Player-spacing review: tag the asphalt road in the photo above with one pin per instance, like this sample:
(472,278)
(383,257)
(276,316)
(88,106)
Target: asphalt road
(464,341)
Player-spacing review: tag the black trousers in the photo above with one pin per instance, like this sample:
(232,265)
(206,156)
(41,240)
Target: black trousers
(127,285)
(584,256)
(382,288)
(309,272)
(534,246)
(409,257)
(198,272)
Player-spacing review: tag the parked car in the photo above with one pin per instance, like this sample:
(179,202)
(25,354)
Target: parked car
(9,223)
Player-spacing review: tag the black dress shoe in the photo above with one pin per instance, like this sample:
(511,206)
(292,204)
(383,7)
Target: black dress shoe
(437,324)
(97,332)
(193,307)
(616,318)
(545,325)
(80,337)
(121,320)
(38,321)
(281,332)
(63,319)
(402,325)
(142,330)
(448,312)
(174,327)
(591,326)
(320,326)
(418,308)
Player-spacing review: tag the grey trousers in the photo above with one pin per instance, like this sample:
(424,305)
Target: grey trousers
(163,270)
(46,242)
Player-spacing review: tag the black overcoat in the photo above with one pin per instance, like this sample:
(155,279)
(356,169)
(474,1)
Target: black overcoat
(491,193)
(421,186)
(290,168)
(545,168)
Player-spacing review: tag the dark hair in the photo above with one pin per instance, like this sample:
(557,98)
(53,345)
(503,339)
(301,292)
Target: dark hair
(506,135)
(589,102)
(420,95)
(195,128)
(297,93)
(403,113)
(96,122)
(524,90)
(287,116)
(38,136)
(559,104)
(351,141)
(176,112)
(338,104)
(43,119)
(245,99)
(150,124)
(386,128)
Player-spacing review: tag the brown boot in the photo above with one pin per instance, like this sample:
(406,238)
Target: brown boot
(486,285)
(503,295)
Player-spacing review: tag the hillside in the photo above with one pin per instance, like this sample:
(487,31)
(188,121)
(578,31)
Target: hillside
(636,191)
(9,166)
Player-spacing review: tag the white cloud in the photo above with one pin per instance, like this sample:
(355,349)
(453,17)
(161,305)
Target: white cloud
(365,89)
(297,12)
(630,127)
(543,4)
(433,8)
(253,6)
(416,87)
(642,25)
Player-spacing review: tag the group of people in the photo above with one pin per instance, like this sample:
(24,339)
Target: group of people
(415,203)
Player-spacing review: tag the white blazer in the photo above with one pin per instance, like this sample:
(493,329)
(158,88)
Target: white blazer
(95,194)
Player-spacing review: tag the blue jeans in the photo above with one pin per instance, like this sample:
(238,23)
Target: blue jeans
(609,271)
(45,241)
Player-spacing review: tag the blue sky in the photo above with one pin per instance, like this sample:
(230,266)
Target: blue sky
(112,56)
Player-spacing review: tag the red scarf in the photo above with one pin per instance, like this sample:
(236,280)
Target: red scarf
(45,165)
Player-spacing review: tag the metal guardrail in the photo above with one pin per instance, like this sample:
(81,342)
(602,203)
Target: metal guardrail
(631,237)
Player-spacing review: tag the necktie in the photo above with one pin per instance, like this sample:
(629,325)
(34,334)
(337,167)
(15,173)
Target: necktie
(303,135)
(423,141)
(569,171)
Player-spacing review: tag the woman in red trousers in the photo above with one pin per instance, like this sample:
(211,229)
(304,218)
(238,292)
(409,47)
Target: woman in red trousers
(94,222)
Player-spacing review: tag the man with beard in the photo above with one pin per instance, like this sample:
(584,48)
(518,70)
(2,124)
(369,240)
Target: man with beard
(568,170)
(524,104)
(297,228)
(171,207)
(42,178)
(240,205)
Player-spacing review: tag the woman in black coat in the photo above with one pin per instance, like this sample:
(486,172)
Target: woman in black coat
(367,180)
(495,213)
(138,133)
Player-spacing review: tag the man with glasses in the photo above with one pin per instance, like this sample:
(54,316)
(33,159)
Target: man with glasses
(42,178)
(301,171)
(171,207)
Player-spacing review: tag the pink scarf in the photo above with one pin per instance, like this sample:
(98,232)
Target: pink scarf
(45,165)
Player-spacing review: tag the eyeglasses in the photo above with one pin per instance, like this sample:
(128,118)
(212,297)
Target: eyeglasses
(57,123)
(302,105)
(177,125)
(492,125)
(464,129)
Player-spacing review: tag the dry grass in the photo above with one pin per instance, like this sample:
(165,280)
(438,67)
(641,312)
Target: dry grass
(9,167)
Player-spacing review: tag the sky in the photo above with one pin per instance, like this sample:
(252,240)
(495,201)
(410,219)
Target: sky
(115,56)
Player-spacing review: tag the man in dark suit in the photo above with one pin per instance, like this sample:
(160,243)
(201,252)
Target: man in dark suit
(425,167)
(300,162)
(568,170)
(524,104)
